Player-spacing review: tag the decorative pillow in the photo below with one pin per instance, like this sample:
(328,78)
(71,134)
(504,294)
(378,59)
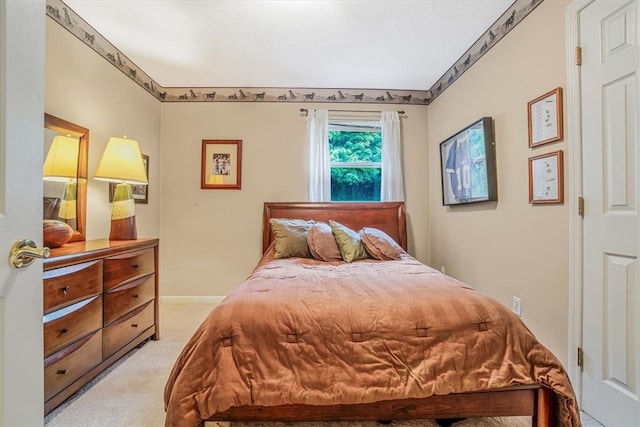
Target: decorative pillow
(349,242)
(379,245)
(322,244)
(291,237)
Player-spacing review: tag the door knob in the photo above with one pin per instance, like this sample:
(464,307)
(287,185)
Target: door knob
(24,252)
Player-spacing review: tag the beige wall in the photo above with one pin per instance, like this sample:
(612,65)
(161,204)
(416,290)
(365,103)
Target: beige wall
(83,88)
(211,239)
(508,247)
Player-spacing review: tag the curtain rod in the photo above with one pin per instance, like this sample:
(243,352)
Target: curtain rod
(306,111)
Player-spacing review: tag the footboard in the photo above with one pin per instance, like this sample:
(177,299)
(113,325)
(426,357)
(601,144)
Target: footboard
(528,400)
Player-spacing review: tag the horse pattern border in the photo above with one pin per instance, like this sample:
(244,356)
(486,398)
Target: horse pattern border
(72,22)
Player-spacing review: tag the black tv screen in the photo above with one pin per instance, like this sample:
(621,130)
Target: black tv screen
(468,163)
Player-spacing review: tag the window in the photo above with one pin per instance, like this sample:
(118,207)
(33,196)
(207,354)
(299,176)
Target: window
(355,158)
(355,149)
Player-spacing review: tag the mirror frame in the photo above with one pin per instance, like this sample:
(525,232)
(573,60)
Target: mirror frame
(60,125)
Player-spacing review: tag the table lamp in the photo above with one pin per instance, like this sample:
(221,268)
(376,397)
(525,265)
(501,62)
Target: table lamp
(122,163)
(61,165)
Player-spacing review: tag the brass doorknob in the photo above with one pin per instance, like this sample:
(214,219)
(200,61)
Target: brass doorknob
(24,252)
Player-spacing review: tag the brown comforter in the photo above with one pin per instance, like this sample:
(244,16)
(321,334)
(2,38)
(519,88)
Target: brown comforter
(301,331)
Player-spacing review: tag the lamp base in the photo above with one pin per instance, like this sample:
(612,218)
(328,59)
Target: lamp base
(123,229)
(67,212)
(123,214)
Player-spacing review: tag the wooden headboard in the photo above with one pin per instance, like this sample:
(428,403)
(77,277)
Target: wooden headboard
(386,216)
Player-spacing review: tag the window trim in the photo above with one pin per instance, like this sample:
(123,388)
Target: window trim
(359,165)
(355,125)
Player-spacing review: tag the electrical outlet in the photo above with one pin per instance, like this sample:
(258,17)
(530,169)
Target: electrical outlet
(517,306)
(443,270)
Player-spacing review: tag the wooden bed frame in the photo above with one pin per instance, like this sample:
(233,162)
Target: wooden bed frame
(524,400)
(389,217)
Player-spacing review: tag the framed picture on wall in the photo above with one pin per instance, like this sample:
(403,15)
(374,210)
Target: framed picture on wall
(468,165)
(545,118)
(140,192)
(546,184)
(221,164)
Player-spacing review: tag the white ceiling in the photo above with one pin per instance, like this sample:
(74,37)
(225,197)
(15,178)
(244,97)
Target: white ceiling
(384,44)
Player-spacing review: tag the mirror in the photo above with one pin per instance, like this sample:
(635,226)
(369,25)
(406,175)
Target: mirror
(63,191)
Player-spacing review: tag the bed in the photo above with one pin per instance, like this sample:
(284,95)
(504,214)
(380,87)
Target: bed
(304,339)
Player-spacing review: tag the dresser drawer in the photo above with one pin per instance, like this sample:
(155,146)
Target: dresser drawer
(70,363)
(127,328)
(66,285)
(66,325)
(121,268)
(119,301)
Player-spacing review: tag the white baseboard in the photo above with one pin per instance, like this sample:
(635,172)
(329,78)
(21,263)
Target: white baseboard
(211,300)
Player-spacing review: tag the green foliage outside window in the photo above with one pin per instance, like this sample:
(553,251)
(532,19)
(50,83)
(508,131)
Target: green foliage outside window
(355,165)
(354,184)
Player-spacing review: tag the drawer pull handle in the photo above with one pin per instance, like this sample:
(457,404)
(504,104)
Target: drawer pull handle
(64,331)
(62,372)
(134,325)
(136,296)
(65,290)
(134,265)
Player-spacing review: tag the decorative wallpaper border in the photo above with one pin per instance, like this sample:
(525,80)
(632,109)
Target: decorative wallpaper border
(505,23)
(72,22)
(353,96)
(83,31)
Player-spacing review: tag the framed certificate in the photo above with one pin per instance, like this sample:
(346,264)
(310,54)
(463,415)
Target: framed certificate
(546,184)
(545,118)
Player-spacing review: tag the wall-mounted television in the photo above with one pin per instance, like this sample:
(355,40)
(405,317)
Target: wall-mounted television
(468,162)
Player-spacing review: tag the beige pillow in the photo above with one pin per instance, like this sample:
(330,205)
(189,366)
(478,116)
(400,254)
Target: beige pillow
(379,245)
(322,244)
(291,237)
(349,242)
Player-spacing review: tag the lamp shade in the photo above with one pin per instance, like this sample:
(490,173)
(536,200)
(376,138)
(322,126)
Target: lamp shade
(121,162)
(61,163)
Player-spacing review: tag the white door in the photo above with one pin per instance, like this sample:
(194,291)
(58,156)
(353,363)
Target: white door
(609,37)
(22,44)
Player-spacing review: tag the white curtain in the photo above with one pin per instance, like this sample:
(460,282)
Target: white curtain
(392,186)
(319,186)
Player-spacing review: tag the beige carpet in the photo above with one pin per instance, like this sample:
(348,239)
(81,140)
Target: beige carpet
(129,394)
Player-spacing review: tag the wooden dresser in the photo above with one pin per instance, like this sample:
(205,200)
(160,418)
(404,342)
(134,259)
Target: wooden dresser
(100,301)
